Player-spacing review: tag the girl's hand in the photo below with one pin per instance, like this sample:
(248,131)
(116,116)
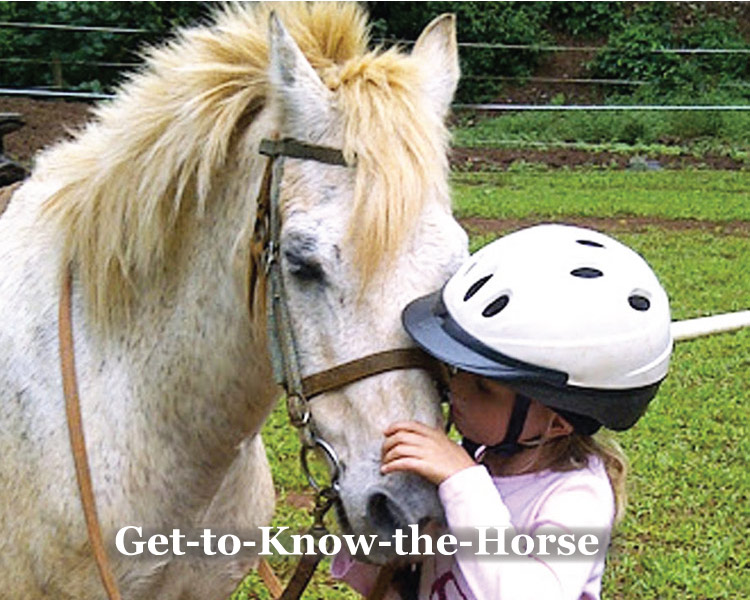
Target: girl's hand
(415,447)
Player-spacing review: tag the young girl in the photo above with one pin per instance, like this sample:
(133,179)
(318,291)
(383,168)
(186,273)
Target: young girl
(550,332)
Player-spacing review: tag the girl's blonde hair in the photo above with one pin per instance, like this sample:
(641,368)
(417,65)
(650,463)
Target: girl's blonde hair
(572,452)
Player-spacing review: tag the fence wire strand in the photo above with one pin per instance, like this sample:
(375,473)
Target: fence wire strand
(495,107)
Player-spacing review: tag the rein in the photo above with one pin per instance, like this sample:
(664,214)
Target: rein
(264,270)
(78,442)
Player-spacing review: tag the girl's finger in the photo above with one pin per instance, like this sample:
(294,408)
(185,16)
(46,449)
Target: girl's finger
(402,451)
(414,465)
(401,437)
(414,426)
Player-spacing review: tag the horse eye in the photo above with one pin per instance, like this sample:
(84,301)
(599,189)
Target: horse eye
(301,251)
(304,268)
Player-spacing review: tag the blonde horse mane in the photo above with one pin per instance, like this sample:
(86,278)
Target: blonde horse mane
(153,157)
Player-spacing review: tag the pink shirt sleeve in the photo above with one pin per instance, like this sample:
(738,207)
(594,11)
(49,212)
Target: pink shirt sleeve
(576,501)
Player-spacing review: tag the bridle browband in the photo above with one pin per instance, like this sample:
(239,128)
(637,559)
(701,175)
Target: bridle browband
(264,271)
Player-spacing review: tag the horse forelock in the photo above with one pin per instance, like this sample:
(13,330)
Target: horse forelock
(400,147)
(155,154)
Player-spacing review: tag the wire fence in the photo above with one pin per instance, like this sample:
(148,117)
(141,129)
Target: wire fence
(495,107)
(390,41)
(73,28)
(53,93)
(57,91)
(555,48)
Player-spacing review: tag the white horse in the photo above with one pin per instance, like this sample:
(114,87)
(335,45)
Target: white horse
(153,205)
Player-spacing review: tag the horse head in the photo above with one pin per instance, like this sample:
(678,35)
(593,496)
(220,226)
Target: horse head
(358,242)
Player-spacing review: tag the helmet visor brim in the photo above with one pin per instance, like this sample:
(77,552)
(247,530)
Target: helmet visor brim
(427,321)
(431,327)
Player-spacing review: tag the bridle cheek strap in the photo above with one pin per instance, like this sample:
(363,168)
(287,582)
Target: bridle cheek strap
(266,283)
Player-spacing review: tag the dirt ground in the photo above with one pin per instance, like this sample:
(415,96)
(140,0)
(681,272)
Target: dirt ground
(476,225)
(482,159)
(47,121)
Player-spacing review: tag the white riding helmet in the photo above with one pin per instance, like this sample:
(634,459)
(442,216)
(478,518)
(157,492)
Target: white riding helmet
(565,315)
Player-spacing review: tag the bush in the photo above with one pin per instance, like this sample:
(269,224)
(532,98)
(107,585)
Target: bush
(718,33)
(42,57)
(483,22)
(630,54)
(586,19)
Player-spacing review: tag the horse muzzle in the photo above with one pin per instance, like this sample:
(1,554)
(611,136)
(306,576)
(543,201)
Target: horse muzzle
(389,505)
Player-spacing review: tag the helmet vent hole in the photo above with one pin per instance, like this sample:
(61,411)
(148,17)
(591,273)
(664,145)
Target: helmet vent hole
(476,286)
(639,302)
(591,243)
(496,306)
(586,273)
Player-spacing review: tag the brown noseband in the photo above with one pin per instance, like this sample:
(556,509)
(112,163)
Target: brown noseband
(373,364)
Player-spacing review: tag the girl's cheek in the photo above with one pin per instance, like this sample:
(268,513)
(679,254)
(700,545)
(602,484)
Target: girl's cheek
(457,401)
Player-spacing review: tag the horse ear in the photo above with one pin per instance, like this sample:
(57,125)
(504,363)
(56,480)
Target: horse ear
(304,99)
(437,53)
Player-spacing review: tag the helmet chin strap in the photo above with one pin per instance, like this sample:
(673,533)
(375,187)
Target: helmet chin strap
(510,444)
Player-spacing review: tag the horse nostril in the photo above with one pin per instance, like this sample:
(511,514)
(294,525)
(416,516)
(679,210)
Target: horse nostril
(385,515)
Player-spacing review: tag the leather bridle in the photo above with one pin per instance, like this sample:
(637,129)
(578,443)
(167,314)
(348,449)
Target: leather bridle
(281,341)
(264,271)
(265,257)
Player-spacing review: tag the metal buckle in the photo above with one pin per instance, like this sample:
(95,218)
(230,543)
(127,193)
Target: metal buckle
(298,409)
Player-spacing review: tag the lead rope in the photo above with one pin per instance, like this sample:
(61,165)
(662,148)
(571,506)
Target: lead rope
(78,442)
(305,569)
(382,583)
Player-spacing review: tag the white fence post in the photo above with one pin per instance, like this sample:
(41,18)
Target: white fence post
(689,329)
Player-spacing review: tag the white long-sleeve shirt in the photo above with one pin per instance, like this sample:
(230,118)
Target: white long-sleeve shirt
(550,502)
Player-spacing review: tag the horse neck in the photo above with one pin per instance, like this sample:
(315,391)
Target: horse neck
(209,383)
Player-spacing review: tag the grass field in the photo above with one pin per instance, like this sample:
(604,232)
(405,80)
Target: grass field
(644,132)
(686,531)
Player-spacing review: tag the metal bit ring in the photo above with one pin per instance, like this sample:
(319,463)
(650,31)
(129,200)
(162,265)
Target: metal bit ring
(331,459)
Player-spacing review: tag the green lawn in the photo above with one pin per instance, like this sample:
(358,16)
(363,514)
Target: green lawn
(685,534)
(704,195)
